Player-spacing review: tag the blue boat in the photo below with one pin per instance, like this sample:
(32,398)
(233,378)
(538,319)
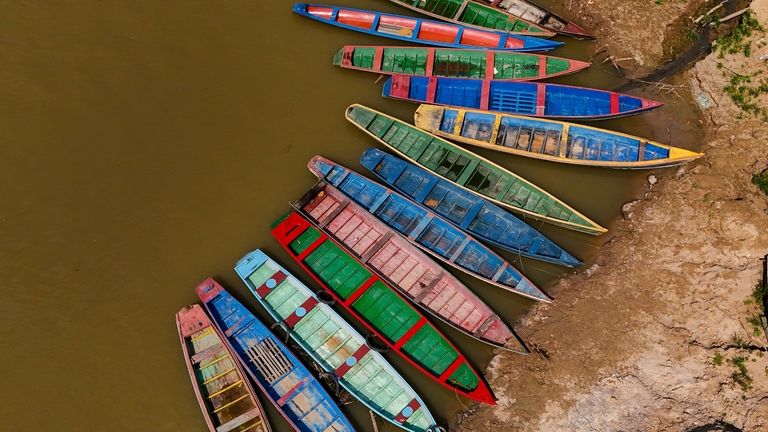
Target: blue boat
(511,97)
(288,384)
(333,344)
(426,32)
(468,211)
(425,229)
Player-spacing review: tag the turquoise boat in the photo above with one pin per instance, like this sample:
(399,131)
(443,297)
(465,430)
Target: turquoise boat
(333,344)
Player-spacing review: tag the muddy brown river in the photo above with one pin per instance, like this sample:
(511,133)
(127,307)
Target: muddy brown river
(148,146)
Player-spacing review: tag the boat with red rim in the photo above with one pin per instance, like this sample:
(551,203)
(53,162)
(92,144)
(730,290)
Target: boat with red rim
(384,312)
(224,394)
(511,97)
(422,31)
(405,267)
(455,63)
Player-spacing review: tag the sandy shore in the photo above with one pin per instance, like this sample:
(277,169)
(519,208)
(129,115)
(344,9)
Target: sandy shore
(648,337)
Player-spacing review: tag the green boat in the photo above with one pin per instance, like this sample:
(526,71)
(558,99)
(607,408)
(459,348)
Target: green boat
(468,170)
(333,344)
(455,63)
(475,14)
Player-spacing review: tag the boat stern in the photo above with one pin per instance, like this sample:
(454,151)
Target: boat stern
(249,263)
(208,290)
(191,319)
(320,166)
(679,155)
(576,31)
(337,58)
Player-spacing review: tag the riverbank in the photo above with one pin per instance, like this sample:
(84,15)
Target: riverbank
(655,333)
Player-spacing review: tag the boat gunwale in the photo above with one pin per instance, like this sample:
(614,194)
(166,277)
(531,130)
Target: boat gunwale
(483,386)
(582,36)
(596,228)
(646,164)
(392,284)
(343,324)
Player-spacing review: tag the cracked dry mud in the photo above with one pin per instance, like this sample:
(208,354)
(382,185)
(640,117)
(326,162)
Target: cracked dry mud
(630,343)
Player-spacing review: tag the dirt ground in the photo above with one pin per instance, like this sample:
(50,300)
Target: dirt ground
(648,337)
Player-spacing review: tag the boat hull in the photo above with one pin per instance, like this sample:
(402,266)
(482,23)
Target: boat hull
(280,375)
(380,309)
(523,98)
(549,140)
(455,63)
(333,344)
(421,31)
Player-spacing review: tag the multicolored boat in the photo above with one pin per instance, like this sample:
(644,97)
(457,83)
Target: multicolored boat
(421,31)
(475,14)
(550,140)
(333,344)
(404,266)
(288,384)
(455,63)
(531,99)
(380,309)
(425,229)
(469,171)
(226,398)
(537,14)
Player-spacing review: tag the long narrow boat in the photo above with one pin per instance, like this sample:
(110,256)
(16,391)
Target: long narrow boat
(288,384)
(425,229)
(333,344)
(421,31)
(468,170)
(549,140)
(532,12)
(531,99)
(381,310)
(455,63)
(404,266)
(472,13)
(465,209)
(228,401)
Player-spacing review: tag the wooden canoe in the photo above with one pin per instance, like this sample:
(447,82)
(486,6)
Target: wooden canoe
(510,97)
(550,140)
(228,401)
(420,31)
(333,344)
(404,266)
(549,20)
(465,209)
(476,14)
(455,63)
(469,171)
(286,382)
(426,229)
(381,310)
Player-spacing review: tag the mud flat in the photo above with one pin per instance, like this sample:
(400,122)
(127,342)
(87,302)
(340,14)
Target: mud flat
(655,334)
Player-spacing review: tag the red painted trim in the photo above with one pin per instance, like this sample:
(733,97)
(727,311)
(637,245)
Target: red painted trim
(430,66)
(347,55)
(409,334)
(360,290)
(294,318)
(278,277)
(401,85)
(541,99)
(451,369)
(431,89)
(289,394)
(378,57)
(614,102)
(543,66)
(357,355)
(208,290)
(485,94)
(490,64)
(413,405)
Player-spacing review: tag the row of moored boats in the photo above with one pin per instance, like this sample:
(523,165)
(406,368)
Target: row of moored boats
(375,248)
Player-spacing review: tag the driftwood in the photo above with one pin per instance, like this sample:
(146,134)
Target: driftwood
(734,15)
(709,12)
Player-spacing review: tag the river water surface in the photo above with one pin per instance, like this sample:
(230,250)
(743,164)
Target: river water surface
(148,146)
